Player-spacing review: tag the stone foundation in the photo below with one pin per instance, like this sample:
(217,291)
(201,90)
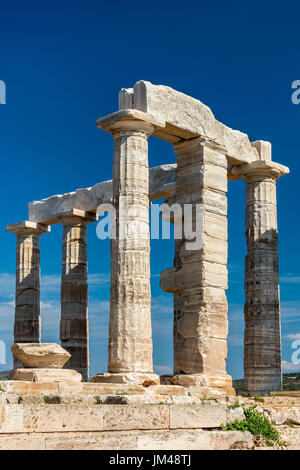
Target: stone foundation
(127,378)
(46,375)
(85,416)
(207,386)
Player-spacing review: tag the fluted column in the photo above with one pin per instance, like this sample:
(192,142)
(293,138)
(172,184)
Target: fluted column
(130,332)
(262,337)
(27,325)
(74,325)
(199,279)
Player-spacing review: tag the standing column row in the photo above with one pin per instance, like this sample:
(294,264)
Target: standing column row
(130,332)
(74,329)
(262,337)
(74,324)
(27,323)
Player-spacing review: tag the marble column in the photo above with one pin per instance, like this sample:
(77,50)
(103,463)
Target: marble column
(130,332)
(27,325)
(262,337)
(200,273)
(74,325)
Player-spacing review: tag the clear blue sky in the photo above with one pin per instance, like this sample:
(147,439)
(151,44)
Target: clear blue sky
(64,62)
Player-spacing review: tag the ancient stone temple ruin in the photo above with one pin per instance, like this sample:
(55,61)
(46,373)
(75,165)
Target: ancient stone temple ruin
(209,154)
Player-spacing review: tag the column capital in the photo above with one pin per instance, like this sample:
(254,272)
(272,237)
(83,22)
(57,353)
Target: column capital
(76,216)
(129,120)
(260,170)
(29,227)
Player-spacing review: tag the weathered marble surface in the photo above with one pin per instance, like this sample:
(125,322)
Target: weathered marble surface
(40,355)
(185,118)
(46,375)
(145,379)
(64,422)
(27,322)
(262,359)
(199,278)
(74,324)
(130,332)
(162,181)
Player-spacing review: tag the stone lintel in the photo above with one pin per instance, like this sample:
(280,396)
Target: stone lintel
(110,120)
(162,182)
(28,225)
(260,168)
(174,134)
(186,118)
(77,213)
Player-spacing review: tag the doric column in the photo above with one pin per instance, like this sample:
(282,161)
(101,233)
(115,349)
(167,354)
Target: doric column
(130,332)
(200,273)
(262,337)
(27,326)
(74,325)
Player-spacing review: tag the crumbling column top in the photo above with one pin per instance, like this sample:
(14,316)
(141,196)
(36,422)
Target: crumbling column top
(260,168)
(111,120)
(28,225)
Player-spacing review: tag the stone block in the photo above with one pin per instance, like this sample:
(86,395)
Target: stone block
(197,416)
(170,440)
(29,388)
(205,274)
(231,440)
(101,389)
(187,117)
(92,441)
(127,378)
(22,442)
(45,375)
(121,440)
(40,355)
(11,419)
(126,98)
(165,390)
(264,149)
(129,417)
(235,414)
(284,415)
(162,181)
(62,418)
